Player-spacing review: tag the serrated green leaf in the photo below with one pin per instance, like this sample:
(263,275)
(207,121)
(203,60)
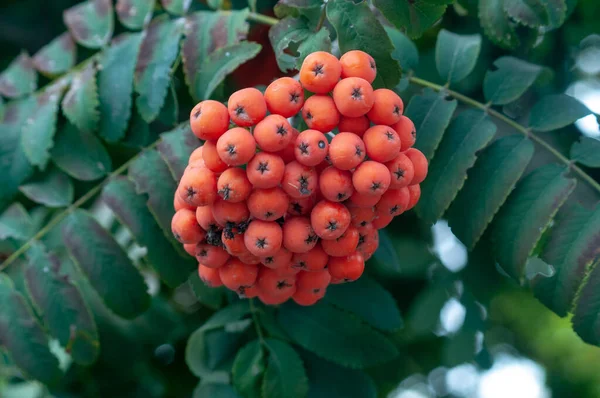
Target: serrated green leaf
(91,23)
(23,337)
(16,223)
(412,16)
(61,306)
(80,155)
(556,111)
(106,265)
(214,390)
(358,29)
(52,188)
(134,14)
(571,251)
(19,79)
(430,112)
(320,41)
(530,13)
(37,137)
(526,214)
(115,84)
(176,146)
(379,310)
(414,257)
(283,34)
(488,184)
(248,368)
(138,134)
(386,253)
(119,194)
(496,24)
(169,113)
(335,335)
(296,8)
(456,55)
(177,7)
(285,376)
(586,151)
(585,316)
(405,51)
(56,57)
(80,103)
(510,80)
(208,296)
(153,70)
(468,133)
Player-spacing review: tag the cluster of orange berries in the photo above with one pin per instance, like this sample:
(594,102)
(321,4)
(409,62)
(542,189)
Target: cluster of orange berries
(274,213)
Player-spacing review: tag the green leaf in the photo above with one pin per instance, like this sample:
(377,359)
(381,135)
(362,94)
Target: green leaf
(456,55)
(556,111)
(115,84)
(91,23)
(248,369)
(177,7)
(468,133)
(530,13)
(52,188)
(282,35)
(138,134)
(488,184)
(386,253)
(16,223)
(60,304)
(106,265)
(214,390)
(320,41)
(571,251)
(19,79)
(586,151)
(412,16)
(368,300)
(208,296)
(510,80)
(430,112)
(285,376)
(496,24)
(56,57)
(23,337)
(296,8)
(176,146)
(119,194)
(153,70)
(80,103)
(335,335)
(135,14)
(557,12)
(405,51)
(38,132)
(585,316)
(526,214)
(358,29)
(424,313)
(81,155)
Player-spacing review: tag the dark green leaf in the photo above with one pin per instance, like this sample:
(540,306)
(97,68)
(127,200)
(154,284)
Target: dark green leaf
(530,13)
(80,104)
(556,111)
(285,376)
(56,57)
(488,184)
(413,255)
(296,8)
(169,113)
(456,55)
(52,188)
(214,390)
(119,194)
(60,304)
(430,112)
(19,79)
(526,214)
(176,146)
(510,80)
(23,337)
(115,84)
(248,369)
(16,223)
(335,335)
(557,12)
(460,347)
(586,151)
(106,265)
(412,16)
(153,70)
(91,23)
(208,296)
(468,133)
(138,134)
(37,137)
(424,314)
(405,51)
(319,41)
(386,253)
(369,300)
(496,24)
(358,29)
(283,34)
(177,7)
(585,318)
(135,14)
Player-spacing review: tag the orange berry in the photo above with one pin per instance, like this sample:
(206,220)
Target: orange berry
(196,159)
(210,276)
(356,125)
(198,187)
(234,242)
(329,219)
(247,107)
(249,292)
(287,270)
(190,248)
(226,212)
(363,200)
(298,235)
(211,157)
(335,184)
(348,268)
(249,258)
(382,143)
(211,256)
(420,165)
(268,299)
(279,260)
(273,133)
(284,97)
(315,282)
(235,274)
(288,154)
(362,215)
(346,151)
(382,220)
(320,113)
(371,178)
(205,218)
(275,285)
(401,170)
(299,180)
(265,170)
(387,109)
(236,147)
(179,203)
(394,202)
(353,96)
(301,206)
(415,195)
(307,298)
(313,260)
(311,147)
(185,228)
(268,204)
(368,240)
(320,72)
(342,246)
(233,185)
(209,120)
(406,131)
(358,63)
(263,238)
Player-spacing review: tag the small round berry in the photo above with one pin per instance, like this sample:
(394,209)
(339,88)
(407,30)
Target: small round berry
(211,157)
(346,151)
(298,180)
(185,228)
(275,285)
(406,131)
(335,184)
(311,147)
(190,248)
(298,235)
(263,238)
(284,97)
(247,107)
(420,165)
(315,282)
(353,96)
(356,125)
(342,246)
(265,170)
(288,154)
(273,133)
(306,298)
(368,240)
(268,299)
(320,72)
(236,147)
(196,158)
(211,256)
(205,218)
(233,185)
(225,212)
(415,195)
(363,200)
(382,220)
(249,292)
(401,170)
(362,215)
(268,204)
(235,274)
(210,276)
(313,260)
(179,203)
(358,63)
(281,259)
(387,109)
(371,178)
(382,143)
(233,241)
(301,206)
(198,187)
(209,120)
(320,113)
(394,202)
(348,268)
(330,219)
